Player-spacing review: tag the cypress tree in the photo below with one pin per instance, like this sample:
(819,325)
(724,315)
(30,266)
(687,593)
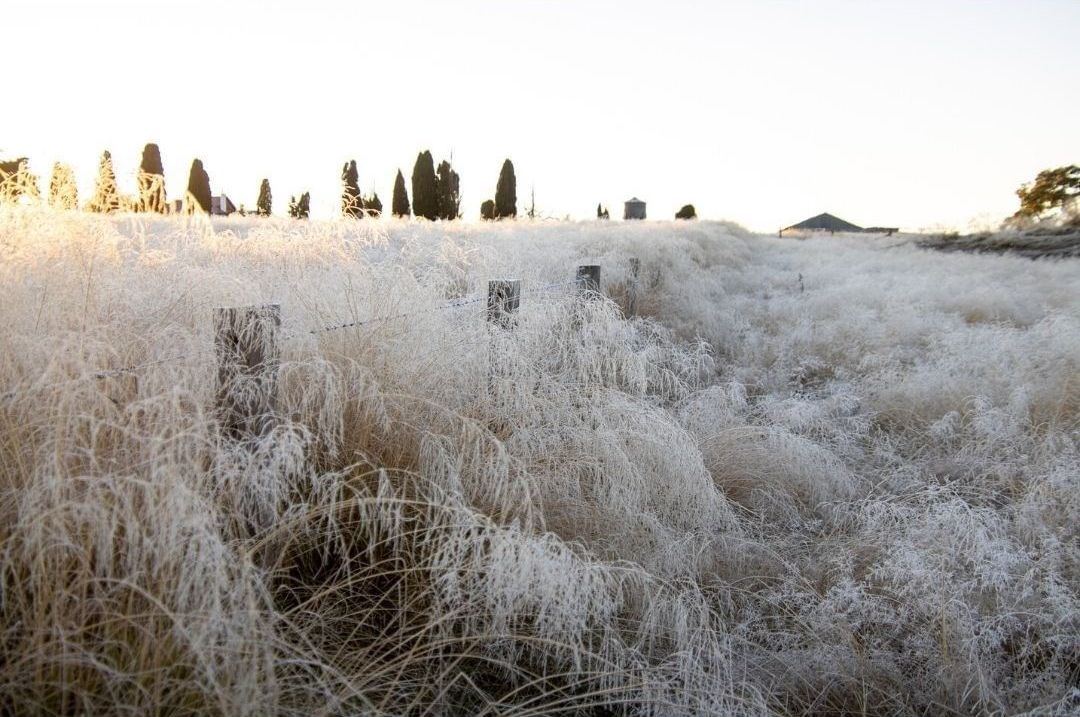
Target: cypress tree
(425,197)
(506,192)
(105,199)
(265,200)
(352,204)
(63,192)
(487,210)
(198,188)
(152,181)
(448,190)
(399,204)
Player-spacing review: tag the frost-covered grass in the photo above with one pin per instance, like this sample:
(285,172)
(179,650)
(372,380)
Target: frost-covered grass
(833,476)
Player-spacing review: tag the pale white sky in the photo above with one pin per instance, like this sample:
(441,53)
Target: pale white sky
(909,113)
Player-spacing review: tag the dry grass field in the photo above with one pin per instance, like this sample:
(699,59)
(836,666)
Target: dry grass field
(832,476)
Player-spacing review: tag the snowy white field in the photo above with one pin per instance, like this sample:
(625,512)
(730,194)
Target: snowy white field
(833,476)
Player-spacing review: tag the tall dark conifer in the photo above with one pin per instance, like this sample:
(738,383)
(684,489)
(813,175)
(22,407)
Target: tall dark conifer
(198,188)
(424,195)
(352,204)
(399,204)
(264,203)
(506,192)
(448,191)
(152,181)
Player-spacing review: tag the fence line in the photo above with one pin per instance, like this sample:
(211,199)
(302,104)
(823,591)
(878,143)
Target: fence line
(583,282)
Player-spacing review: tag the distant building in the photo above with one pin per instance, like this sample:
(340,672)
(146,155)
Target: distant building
(828,223)
(220,206)
(634,209)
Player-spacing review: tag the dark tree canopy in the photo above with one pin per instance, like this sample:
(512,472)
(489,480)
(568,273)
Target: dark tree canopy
(300,208)
(352,204)
(506,192)
(198,188)
(687,212)
(602,212)
(487,210)
(264,203)
(399,204)
(372,205)
(152,181)
(105,198)
(424,191)
(1053,189)
(448,191)
(63,191)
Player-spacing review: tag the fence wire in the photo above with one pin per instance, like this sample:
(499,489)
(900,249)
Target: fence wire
(543,289)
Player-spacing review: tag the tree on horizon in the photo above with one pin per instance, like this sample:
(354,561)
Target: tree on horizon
(424,190)
(300,208)
(448,192)
(687,212)
(264,203)
(152,181)
(63,190)
(487,210)
(372,205)
(1057,188)
(506,192)
(352,204)
(16,180)
(105,199)
(198,188)
(399,203)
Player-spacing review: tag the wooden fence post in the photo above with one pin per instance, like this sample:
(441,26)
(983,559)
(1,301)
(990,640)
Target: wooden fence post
(504,298)
(588,280)
(246,343)
(632,290)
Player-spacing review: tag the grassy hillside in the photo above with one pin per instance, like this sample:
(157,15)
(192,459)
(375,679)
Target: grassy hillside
(836,476)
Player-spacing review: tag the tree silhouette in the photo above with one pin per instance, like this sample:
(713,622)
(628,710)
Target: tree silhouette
(399,203)
(105,198)
(198,188)
(63,192)
(373,205)
(506,192)
(448,191)
(487,210)
(424,192)
(1057,188)
(152,181)
(264,203)
(602,212)
(300,208)
(352,204)
(687,212)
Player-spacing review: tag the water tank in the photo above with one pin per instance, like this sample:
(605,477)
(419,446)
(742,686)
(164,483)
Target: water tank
(634,209)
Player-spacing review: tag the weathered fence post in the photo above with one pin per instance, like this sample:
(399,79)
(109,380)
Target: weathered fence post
(632,290)
(588,280)
(504,298)
(246,343)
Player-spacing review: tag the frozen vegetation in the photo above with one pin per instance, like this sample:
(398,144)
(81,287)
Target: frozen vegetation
(833,476)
